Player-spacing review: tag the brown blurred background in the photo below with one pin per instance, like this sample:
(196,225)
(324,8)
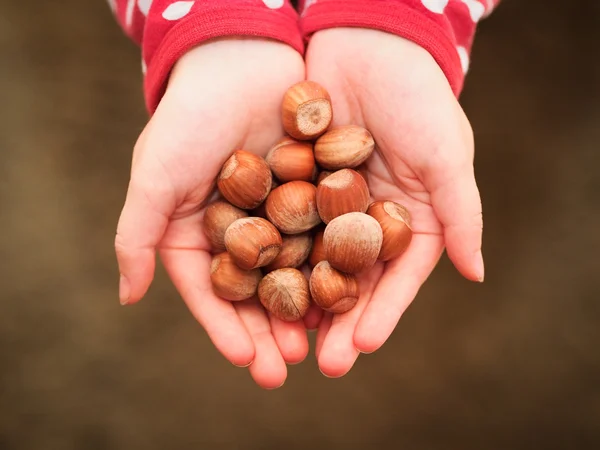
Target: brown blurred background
(514,363)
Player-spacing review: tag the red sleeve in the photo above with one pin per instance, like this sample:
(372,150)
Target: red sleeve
(167,29)
(445,28)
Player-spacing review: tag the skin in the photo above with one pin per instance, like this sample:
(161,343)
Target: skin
(424,161)
(203,117)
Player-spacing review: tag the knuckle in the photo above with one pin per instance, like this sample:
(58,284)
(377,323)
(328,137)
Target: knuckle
(153,193)
(149,184)
(121,245)
(478,220)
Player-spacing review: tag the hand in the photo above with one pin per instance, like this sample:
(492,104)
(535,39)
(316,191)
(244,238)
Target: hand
(222,96)
(424,161)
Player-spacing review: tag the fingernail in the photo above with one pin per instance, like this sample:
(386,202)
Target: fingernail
(244,366)
(124,290)
(479,267)
(276,387)
(325,375)
(364,353)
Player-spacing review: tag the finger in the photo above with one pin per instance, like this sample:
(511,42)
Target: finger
(268,368)
(396,289)
(143,221)
(338,353)
(313,317)
(457,204)
(322,331)
(290,338)
(142,224)
(189,270)
(314,314)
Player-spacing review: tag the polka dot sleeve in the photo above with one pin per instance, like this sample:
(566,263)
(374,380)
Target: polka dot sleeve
(445,28)
(167,29)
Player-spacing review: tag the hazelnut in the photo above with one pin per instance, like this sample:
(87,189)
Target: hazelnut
(394,220)
(317,252)
(322,175)
(333,290)
(229,281)
(342,192)
(292,207)
(259,211)
(245,179)
(352,242)
(217,217)
(364,172)
(292,160)
(285,294)
(306,110)
(344,147)
(252,242)
(294,251)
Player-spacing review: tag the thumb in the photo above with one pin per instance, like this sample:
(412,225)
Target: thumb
(457,204)
(142,224)
(456,201)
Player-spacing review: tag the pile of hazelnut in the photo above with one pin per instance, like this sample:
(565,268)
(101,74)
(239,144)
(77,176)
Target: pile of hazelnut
(307,201)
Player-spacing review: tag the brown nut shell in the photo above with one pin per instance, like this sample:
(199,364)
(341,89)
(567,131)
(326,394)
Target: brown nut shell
(245,179)
(260,210)
(364,172)
(322,175)
(306,110)
(285,294)
(394,220)
(332,290)
(344,147)
(217,218)
(317,252)
(291,160)
(252,242)
(294,251)
(352,242)
(342,192)
(292,207)
(229,281)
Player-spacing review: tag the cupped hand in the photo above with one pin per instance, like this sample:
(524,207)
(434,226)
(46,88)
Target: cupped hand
(222,96)
(424,161)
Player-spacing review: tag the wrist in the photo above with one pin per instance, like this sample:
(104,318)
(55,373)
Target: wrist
(233,66)
(445,33)
(167,40)
(369,57)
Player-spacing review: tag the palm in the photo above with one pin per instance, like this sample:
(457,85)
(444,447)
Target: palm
(204,116)
(411,114)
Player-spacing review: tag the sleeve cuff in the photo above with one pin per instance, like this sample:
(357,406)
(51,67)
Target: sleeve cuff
(205,24)
(432,32)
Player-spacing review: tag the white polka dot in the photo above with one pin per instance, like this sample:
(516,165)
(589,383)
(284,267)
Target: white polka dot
(177,10)
(113,5)
(307,4)
(274,4)
(144,6)
(489,7)
(436,6)
(144,67)
(464,58)
(476,9)
(129,13)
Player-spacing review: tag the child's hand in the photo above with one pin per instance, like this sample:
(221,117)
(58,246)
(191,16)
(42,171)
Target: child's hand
(222,96)
(425,161)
